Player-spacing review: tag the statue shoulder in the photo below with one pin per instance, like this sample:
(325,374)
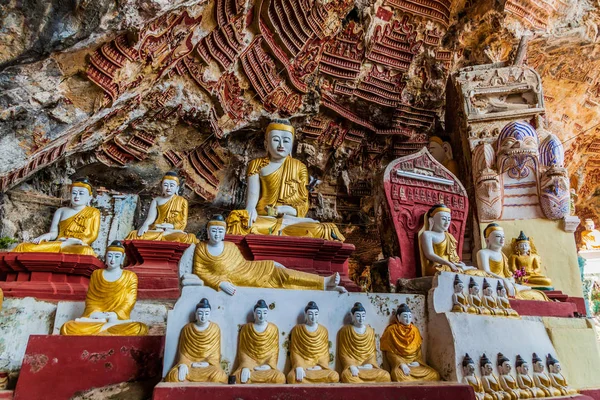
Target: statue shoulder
(297,164)
(130,275)
(93,211)
(256,165)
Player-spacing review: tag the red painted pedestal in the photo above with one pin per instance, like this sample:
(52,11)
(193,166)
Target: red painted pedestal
(57,367)
(6,394)
(46,276)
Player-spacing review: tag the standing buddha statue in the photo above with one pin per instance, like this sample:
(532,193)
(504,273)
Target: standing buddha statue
(590,237)
(556,378)
(490,382)
(508,382)
(277,195)
(525,381)
(471,379)
(401,344)
(541,380)
(167,216)
(525,257)
(309,350)
(73,229)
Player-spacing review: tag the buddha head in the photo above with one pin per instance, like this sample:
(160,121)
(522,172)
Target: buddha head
(170,184)
(553,364)
(81,192)
(523,246)
(589,224)
(494,236)
(261,310)
(504,366)
(538,364)
(215,229)
(458,284)
(439,218)
(487,288)
(500,289)
(311,314)
(439,149)
(203,312)
(468,365)
(486,366)
(521,365)
(279,139)
(473,287)
(404,314)
(115,255)
(359,315)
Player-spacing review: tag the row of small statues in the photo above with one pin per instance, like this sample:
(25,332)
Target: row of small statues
(199,351)
(473,303)
(524,386)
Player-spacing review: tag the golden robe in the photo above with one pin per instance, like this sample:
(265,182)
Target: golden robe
(560,383)
(287,186)
(256,349)
(533,269)
(510,386)
(104,296)
(491,304)
(502,268)
(591,239)
(525,382)
(477,386)
(308,349)
(477,304)
(492,387)
(231,266)
(84,225)
(461,304)
(543,382)
(504,305)
(175,212)
(446,249)
(199,346)
(356,349)
(402,345)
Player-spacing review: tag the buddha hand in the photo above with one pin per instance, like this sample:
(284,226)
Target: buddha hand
(315,368)
(283,210)
(245,375)
(143,229)
(300,374)
(43,238)
(165,226)
(405,368)
(182,372)
(72,241)
(252,215)
(112,316)
(413,364)
(366,366)
(262,367)
(354,370)
(201,364)
(228,288)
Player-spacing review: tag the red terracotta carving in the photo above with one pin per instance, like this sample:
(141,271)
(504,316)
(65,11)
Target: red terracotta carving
(435,10)
(395,44)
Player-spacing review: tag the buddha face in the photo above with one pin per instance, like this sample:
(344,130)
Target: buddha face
(202,315)
(495,239)
(114,260)
(458,287)
(359,318)
(169,187)
(524,247)
(523,369)
(469,369)
(216,234)
(487,291)
(501,292)
(441,221)
(311,317)
(404,318)
(487,369)
(474,290)
(555,368)
(538,367)
(80,196)
(589,225)
(260,315)
(437,151)
(505,368)
(279,144)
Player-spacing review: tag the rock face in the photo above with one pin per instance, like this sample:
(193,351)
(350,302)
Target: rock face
(124,91)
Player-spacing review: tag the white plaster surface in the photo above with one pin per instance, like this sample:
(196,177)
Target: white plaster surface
(287,310)
(592,261)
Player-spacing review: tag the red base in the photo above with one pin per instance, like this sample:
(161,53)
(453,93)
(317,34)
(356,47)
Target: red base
(336,391)
(592,393)
(57,367)
(6,394)
(544,308)
(46,276)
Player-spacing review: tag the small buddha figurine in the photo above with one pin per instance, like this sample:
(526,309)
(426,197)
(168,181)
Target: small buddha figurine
(73,229)
(277,195)
(556,378)
(167,216)
(442,152)
(258,350)
(525,257)
(437,247)
(541,380)
(490,382)
(508,382)
(525,381)
(309,350)
(111,296)
(459,300)
(590,237)
(222,266)
(489,301)
(503,302)
(199,351)
(401,344)
(475,300)
(357,351)
(471,379)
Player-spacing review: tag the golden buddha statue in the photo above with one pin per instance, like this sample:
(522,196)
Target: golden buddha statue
(508,382)
(73,228)
(277,195)
(541,380)
(357,351)
(471,379)
(475,300)
(309,350)
(438,248)
(557,379)
(111,296)
(490,382)
(258,350)
(503,302)
(442,152)
(167,216)
(489,301)
(401,344)
(459,300)
(590,237)
(525,381)
(199,351)
(221,266)
(525,257)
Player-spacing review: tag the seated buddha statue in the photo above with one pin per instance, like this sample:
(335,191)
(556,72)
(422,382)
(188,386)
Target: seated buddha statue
(357,351)
(277,194)
(309,350)
(503,302)
(459,300)
(442,152)
(73,228)
(199,351)
(508,382)
(590,237)
(525,257)
(111,296)
(167,216)
(437,247)
(221,266)
(258,350)
(489,301)
(525,381)
(475,300)
(401,344)
(556,378)
(490,382)
(541,379)
(471,379)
